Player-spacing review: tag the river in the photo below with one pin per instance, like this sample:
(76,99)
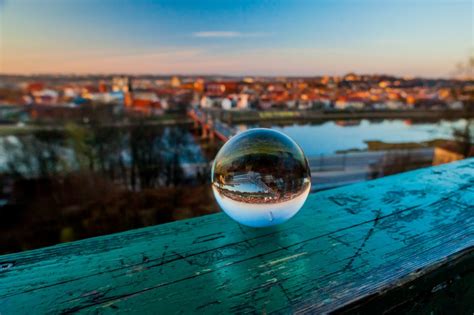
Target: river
(332,137)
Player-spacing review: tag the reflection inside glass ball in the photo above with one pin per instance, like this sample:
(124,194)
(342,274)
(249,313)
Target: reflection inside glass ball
(261,177)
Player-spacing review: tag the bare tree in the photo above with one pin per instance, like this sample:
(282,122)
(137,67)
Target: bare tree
(465,135)
(35,155)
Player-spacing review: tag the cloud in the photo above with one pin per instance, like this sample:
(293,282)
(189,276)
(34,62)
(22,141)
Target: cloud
(225,34)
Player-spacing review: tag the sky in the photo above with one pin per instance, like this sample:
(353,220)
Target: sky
(293,37)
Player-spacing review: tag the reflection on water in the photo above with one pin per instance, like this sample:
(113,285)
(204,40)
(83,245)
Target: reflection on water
(332,136)
(260,178)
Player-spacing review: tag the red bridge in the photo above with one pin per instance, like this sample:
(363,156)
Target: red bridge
(211,126)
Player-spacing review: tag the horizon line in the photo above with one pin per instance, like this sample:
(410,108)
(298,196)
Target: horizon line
(452,77)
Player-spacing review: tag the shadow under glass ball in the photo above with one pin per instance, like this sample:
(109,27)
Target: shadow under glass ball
(261,177)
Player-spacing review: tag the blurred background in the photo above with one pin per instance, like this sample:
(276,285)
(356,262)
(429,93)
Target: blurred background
(111,112)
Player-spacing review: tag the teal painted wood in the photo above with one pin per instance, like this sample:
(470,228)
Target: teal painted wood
(345,244)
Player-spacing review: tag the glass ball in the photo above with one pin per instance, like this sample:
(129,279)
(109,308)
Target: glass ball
(261,177)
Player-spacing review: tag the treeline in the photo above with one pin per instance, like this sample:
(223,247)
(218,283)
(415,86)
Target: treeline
(92,180)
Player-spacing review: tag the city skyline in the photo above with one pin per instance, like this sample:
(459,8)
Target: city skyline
(268,38)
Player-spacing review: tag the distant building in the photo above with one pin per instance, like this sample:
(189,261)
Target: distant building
(393,104)
(226,103)
(175,82)
(105,98)
(379,105)
(34,87)
(103,87)
(79,101)
(215,89)
(349,103)
(243,101)
(322,102)
(71,92)
(351,77)
(265,102)
(209,101)
(46,97)
(291,103)
(221,88)
(121,84)
(144,101)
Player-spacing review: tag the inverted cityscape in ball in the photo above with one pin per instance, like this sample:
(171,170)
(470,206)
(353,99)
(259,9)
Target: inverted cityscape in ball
(261,177)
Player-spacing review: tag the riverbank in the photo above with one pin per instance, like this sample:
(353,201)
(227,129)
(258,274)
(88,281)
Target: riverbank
(25,128)
(249,116)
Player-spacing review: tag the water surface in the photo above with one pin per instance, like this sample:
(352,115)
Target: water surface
(332,136)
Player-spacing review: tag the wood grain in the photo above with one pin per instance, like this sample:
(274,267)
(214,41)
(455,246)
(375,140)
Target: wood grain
(344,245)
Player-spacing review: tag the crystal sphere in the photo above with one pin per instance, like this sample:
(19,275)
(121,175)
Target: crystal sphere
(260,177)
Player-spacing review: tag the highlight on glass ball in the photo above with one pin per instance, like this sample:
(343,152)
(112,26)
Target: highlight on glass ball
(261,177)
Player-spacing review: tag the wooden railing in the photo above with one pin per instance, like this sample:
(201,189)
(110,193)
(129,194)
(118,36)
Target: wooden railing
(400,243)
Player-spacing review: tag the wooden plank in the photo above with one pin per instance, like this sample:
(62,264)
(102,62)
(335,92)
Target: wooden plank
(345,244)
(446,288)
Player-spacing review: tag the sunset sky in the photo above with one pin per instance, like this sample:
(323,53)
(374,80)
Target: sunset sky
(421,38)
